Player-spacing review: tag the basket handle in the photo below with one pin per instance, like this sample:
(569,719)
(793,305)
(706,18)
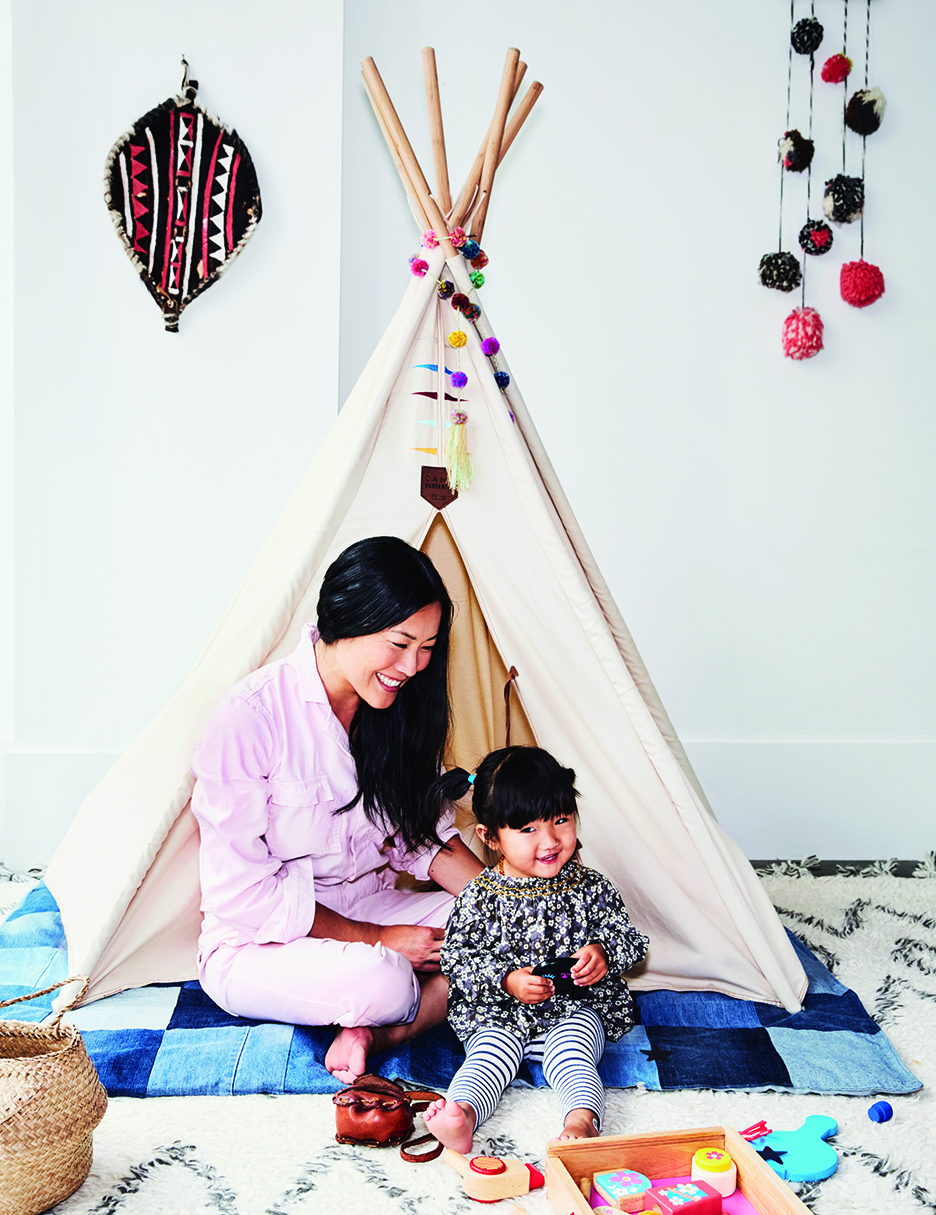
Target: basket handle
(83,979)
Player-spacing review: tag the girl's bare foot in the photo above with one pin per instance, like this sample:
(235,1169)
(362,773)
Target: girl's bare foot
(579,1124)
(346,1058)
(452,1123)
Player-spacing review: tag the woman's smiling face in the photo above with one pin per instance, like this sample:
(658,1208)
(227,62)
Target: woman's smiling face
(376,666)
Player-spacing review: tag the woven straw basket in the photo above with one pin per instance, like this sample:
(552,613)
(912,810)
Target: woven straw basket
(50,1102)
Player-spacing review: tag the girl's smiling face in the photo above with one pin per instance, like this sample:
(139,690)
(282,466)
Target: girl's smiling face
(539,849)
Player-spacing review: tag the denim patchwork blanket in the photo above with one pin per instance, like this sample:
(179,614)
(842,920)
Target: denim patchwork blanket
(171,1040)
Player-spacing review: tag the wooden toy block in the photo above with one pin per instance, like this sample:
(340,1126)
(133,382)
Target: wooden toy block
(489,1179)
(687,1198)
(622,1189)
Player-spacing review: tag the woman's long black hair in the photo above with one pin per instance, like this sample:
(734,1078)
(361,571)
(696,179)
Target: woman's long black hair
(373,585)
(512,787)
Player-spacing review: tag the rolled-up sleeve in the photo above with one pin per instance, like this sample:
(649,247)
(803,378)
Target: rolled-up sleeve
(417,863)
(260,897)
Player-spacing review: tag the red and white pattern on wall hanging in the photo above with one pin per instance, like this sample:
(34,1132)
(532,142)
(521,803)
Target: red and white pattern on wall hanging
(182,191)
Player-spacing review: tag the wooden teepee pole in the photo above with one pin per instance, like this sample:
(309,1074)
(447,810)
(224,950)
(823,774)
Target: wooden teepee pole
(521,114)
(443,193)
(429,205)
(495,137)
(421,216)
(470,189)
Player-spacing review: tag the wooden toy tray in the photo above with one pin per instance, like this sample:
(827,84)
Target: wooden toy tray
(663,1154)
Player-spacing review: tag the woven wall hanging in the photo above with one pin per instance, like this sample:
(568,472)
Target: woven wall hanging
(182,191)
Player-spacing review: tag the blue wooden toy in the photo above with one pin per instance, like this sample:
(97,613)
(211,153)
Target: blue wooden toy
(801,1155)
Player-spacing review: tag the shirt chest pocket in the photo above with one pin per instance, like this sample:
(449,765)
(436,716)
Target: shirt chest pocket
(301,821)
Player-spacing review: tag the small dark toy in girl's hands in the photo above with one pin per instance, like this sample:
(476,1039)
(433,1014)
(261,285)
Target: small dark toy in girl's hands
(538,903)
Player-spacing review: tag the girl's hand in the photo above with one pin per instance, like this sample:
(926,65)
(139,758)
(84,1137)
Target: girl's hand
(527,987)
(592,965)
(419,944)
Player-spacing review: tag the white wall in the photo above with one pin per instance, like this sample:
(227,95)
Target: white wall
(766,527)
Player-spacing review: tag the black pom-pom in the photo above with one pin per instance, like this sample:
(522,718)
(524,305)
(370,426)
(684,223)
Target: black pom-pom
(780,271)
(815,237)
(796,151)
(843,200)
(865,111)
(446,289)
(806,36)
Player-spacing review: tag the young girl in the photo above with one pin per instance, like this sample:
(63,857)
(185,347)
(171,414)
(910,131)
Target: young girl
(538,903)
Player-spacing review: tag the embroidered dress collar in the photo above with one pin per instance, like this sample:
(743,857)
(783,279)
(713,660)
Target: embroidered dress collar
(568,878)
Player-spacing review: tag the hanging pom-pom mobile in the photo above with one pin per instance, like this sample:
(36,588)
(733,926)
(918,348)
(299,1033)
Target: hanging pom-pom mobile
(864,112)
(836,69)
(806,36)
(815,237)
(796,152)
(780,271)
(843,201)
(861,283)
(182,191)
(802,334)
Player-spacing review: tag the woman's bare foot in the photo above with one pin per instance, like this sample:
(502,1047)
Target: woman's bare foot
(346,1058)
(452,1123)
(579,1124)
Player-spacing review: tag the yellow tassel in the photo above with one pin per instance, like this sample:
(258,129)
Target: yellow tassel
(457,460)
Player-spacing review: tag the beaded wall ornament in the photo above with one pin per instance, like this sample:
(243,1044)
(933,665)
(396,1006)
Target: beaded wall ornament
(182,192)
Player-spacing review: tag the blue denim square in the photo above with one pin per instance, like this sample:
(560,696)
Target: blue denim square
(717,1058)
(123,1058)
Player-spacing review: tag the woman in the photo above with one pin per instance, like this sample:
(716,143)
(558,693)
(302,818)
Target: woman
(311,780)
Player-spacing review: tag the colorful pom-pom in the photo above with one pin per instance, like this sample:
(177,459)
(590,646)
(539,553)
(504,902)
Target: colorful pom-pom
(780,271)
(477,279)
(815,237)
(865,111)
(490,346)
(429,239)
(861,283)
(459,417)
(458,466)
(459,379)
(470,248)
(472,312)
(843,200)
(446,289)
(796,151)
(836,69)
(501,379)
(460,301)
(480,261)
(806,36)
(458,236)
(418,266)
(802,334)
(457,338)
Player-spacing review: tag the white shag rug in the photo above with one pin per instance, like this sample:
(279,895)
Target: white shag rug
(258,1155)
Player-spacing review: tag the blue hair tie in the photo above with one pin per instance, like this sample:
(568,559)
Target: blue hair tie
(471,778)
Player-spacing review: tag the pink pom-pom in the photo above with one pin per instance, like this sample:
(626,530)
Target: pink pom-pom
(490,346)
(802,334)
(459,417)
(429,239)
(458,236)
(418,266)
(861,283)
(836,69)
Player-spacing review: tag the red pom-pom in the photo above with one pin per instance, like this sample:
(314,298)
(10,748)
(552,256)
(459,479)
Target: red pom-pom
(802,334)
(836,69)
(861,283)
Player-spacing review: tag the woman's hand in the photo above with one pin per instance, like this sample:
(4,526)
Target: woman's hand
(592,965)
(419,944)
(527,987)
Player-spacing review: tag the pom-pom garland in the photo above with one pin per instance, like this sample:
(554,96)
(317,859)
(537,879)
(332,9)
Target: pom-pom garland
(796,151)
(843,200)
(501,379)
(459,417)
(861,283)
(457,460)
(480,261)
(780,271)
(459,379)
(472,312)
(470,248)
(815,237)
(836,69)
(457,338)
(802,334)
(490,346)
(429,239)
(418,266)
(446,289)
(806,36)
(865,111)
(458,236)
(477,279)
(460,301)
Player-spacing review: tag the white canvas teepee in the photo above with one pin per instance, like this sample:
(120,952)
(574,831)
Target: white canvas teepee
(528,596)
